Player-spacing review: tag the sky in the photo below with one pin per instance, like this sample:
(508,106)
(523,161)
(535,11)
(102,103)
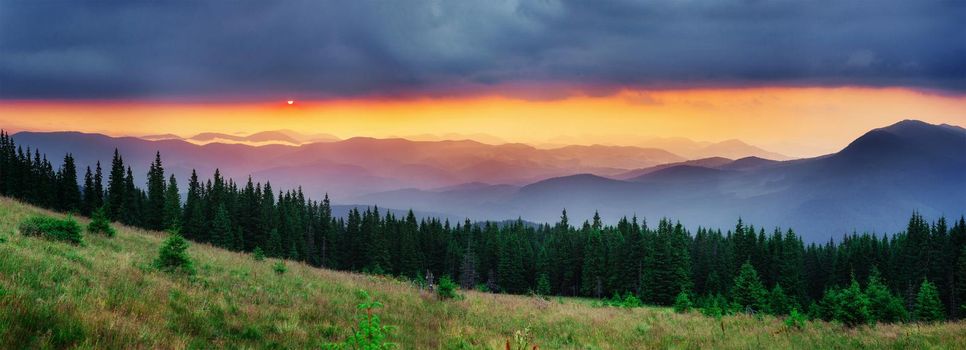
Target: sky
(797,77)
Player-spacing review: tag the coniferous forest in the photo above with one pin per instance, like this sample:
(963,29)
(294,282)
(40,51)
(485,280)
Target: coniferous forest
(919,274)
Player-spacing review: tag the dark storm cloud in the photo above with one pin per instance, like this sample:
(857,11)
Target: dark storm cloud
(231,50)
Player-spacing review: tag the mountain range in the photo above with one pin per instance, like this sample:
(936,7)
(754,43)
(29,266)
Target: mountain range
(872,184)
(283,137)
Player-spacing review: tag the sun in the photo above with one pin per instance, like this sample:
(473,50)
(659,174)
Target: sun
(291,101)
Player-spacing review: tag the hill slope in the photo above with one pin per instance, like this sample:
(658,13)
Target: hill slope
(105,294)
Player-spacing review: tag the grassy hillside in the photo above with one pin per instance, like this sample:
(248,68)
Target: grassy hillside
(106,294)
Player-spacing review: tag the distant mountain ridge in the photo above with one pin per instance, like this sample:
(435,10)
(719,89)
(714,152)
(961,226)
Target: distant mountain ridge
(873,184)
(284,137)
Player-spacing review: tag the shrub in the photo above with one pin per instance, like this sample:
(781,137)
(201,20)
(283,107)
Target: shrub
(682,303)
(173,255)
(65,230)
(100,223)
(446,289)
(279,268)
(631,301)
(795,320)
(258,254)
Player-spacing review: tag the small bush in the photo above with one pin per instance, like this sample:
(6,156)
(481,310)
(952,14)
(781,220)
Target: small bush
(280,268)
(173,255)
(258,254)
(65,230)
(795,320)
(682,303)
(370,333)
(100,224)
(631,301)
(446,289)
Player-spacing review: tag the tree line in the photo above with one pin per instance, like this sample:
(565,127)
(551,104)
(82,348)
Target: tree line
(743,267)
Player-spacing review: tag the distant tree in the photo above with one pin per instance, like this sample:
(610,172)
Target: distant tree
(852,308)
(748,292)
(543,285)
(155,211)
(69,194)
(883,306)
(87,193)
(928,306)
(779,303)
(193,223)
(172,205)
(116,188)
(221,229)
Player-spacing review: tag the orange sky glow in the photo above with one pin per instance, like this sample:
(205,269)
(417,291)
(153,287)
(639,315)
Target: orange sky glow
(794,121)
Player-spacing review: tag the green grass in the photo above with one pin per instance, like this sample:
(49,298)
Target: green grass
(108,294)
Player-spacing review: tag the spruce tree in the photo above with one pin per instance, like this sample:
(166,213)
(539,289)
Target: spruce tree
(193,223)
(779,303)
(100,224)
(173,255)
(852,307)
(748,292)
(70,196)
(87,204)
(116,188)
(154,214)
(543,285)
(172,205)
(221,229)
(883,306)
(928,306)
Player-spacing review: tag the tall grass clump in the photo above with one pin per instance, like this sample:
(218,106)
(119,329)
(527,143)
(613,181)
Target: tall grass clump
(64,230)
(173,256)
(100,224)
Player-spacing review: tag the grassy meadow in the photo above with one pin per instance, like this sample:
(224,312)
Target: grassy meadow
(106,294)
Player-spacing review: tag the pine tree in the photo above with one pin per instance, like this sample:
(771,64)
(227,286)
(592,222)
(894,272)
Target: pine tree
(748,292)
(173,255)
(852,307)
(87,206)
(193,223)
(779,303)
(682,303)
(543,285)
(221,229)
(883,306)
(130,211)
(172,205)
(928,306)
(100,224)
(116,188)
(70,196)
(155,211)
